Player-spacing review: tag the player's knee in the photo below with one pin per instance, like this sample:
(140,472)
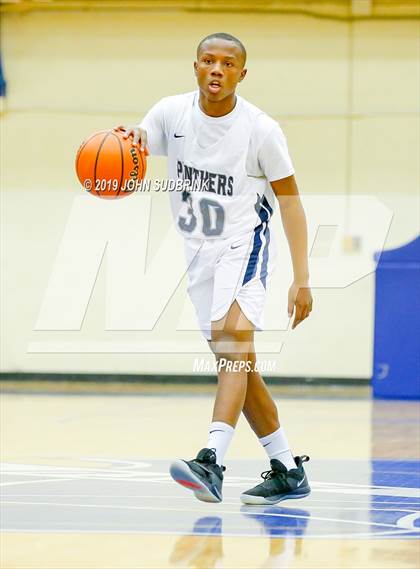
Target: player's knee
(230,345)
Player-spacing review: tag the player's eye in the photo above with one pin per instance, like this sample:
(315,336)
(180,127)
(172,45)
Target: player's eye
(229,64)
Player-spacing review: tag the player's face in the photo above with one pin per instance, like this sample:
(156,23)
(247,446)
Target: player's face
(219,68)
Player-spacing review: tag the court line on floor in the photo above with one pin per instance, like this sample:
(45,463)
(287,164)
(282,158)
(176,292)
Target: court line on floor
(399,491)
(400,534)
(166,509)
(165,497)
(122,475)
(394,505)
(407,522)
(21,482)
(108,474)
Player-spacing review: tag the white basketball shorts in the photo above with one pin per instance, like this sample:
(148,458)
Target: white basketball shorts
(221,271)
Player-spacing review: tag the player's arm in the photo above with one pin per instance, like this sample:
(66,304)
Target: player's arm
(295,228)
(275,163)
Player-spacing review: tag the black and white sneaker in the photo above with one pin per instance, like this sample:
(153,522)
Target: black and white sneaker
(202,475)
(279,484)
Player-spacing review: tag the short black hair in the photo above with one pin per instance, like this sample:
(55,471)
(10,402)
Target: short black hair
(224,36)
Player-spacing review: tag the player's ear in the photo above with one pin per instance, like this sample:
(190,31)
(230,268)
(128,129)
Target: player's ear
(195,67)
(242,75)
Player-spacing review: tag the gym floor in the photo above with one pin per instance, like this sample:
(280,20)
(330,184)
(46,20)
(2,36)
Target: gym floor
(85,482)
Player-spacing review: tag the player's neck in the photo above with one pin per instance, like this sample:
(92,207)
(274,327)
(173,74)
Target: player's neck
(218,108)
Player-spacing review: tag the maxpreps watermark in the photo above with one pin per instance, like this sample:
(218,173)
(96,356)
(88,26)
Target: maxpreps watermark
(203,365)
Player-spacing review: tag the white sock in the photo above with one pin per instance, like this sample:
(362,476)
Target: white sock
(220,435)
(276,446)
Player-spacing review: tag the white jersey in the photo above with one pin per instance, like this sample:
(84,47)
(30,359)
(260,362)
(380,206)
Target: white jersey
(228,162)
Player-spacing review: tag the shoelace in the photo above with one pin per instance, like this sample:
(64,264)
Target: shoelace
(268,474)
(207,462)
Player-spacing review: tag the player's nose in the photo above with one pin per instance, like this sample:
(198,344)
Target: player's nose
(217,69)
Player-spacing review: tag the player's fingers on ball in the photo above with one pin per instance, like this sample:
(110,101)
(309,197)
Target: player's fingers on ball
(143,140)
(119,127)
(127,132)
(136,136)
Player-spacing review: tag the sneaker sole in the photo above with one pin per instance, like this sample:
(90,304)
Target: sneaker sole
(250,500)
(181,473)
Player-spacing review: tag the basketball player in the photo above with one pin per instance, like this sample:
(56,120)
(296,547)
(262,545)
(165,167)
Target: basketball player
(237,155)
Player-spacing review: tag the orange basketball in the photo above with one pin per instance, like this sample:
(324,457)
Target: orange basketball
(109,166)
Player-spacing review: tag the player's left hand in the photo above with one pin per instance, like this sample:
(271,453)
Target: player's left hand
(300,301)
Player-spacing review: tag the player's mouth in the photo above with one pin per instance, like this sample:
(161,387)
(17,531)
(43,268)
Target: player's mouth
(215,86)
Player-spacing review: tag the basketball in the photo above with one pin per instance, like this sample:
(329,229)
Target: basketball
(109,166)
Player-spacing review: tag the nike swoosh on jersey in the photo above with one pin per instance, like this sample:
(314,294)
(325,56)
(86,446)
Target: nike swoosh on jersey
(232,247)
(179,135)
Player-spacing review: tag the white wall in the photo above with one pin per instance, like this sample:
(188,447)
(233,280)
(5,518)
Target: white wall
(345,96)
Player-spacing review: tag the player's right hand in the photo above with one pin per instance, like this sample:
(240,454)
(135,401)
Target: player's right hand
(139,136)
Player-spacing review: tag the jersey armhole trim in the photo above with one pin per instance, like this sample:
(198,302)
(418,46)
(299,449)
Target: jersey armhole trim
(292,173)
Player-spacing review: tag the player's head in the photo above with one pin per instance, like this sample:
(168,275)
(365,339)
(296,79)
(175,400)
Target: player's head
(221,59)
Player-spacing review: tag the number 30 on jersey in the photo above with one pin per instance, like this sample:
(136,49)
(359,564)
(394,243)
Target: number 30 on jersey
(213,216)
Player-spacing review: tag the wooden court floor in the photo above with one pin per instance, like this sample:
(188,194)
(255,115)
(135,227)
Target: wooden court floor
(85,485)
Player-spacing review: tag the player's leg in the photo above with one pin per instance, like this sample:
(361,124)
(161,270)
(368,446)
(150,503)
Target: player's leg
(231,339)
(286,478)
(259,407)
(261,413)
